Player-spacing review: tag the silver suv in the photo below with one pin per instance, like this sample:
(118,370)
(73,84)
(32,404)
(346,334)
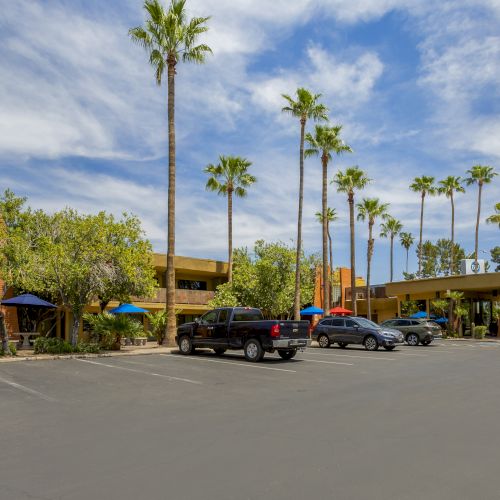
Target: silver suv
(416,331)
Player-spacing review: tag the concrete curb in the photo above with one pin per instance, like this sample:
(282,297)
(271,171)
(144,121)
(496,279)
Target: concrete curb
(110,354)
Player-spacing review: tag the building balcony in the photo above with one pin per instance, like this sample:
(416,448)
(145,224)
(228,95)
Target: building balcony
(189,297)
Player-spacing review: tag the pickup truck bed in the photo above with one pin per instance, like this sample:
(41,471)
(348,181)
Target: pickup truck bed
(243,328)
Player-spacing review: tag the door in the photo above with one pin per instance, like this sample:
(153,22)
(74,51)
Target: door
(219,332)
(353,332)
(336,330)
(205,329)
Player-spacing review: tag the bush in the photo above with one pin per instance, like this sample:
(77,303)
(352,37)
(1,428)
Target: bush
(480,332)
(12,347)
(87,347)
(52,345)
(110,328)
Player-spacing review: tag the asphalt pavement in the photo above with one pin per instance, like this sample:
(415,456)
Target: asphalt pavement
(411,424)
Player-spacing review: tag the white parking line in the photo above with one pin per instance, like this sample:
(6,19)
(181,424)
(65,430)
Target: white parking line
(246,365)
(28,390)
(168,377)
(309,353)
(327,362)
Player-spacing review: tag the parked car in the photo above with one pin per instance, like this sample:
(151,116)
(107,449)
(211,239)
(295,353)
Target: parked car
(355,330)
(243,328)
(415,331)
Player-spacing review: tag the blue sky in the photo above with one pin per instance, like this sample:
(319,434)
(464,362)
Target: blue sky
(414,82)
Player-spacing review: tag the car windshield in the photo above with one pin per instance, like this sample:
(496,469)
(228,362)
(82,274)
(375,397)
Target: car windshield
(366,323)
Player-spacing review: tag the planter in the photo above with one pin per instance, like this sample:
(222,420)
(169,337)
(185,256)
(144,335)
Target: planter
(140,341)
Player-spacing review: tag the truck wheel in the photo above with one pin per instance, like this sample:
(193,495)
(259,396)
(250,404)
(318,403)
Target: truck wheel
(287,353)
(185,345)
(324,341)
(253,351)
(412,339)
(371,343)
(219,351)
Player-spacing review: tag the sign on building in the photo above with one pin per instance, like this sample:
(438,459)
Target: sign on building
(470,266)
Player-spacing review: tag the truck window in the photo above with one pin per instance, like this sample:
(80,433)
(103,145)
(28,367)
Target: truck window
(247,315)
(222,316)
(209,318)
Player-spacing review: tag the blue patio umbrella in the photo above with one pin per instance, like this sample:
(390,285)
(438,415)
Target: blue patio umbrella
(419,315)
(309,311)
(128,309)
(440,320)
(28,300)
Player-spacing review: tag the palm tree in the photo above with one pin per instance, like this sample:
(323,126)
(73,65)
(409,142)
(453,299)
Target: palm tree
(423,185)
(447,187)
(390,229)
(331,216)
(495,218)
(169,36)
(326,140)
(480,175)
(370,209)
(406,240)
(305,107)
(230,176)
(353,179)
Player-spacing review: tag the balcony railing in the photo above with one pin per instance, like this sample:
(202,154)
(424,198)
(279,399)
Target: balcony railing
(192,297)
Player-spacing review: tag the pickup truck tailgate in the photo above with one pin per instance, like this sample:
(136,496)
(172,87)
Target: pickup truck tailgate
(294,329)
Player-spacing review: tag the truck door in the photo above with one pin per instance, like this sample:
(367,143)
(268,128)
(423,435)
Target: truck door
(219,332)
(205,328)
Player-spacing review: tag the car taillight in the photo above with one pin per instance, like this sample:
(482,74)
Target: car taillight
(275,330)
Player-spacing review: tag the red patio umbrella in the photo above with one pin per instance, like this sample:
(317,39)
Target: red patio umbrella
(340,311)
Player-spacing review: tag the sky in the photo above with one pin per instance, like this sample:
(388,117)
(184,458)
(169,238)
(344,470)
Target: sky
(413,82)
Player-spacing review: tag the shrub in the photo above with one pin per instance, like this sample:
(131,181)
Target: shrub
(12,347)
(110,328)
(87,347)
(52,345)
(158,322)
(480,332)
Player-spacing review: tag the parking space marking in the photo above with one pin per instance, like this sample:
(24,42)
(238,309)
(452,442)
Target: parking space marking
(327,362)
(349,356)
(28,390)
(247,365)
(168,377)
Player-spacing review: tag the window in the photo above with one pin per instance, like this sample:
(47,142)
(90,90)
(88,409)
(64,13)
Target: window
(209,318)
(192,285)
(247,315)
(223,316)
(350,323)
(325,322)
(415,323)
(403,322)
(337,322)
(366,323)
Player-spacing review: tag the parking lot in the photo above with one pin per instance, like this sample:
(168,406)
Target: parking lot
(414,423)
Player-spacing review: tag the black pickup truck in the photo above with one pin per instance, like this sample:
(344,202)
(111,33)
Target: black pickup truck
(243,328)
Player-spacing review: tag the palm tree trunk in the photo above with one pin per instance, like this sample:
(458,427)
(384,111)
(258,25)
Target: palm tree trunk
(4,335)
(392,256)
(407,253)
(326,281)
(353,255)
(369,252)
(452,253)
(476,245)
(75,329)
(296,304)
(230,233)
(420,240)
(171,319)
(330,305)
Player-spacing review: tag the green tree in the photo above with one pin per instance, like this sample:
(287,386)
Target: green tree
(74,256)
(495,257)
(495,218)
(331,216)
(230,176)
(109,329)
(390,229)
(445,250)
(406,240)
(168,37)
(456,311)
(425,186)
(158,324)
(370,209)
(480,175)
(306,107)
(448,187)
(350,181)
(325,141)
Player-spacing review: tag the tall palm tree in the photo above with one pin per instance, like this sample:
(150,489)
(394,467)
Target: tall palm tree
(448,187)
(406,240)
(304,108)
(370,209)
(168,36)
(480,175)
(390,229)
(230,176)
(331,216)
(325,141)
(348,182)
(423,185)
(495,218)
